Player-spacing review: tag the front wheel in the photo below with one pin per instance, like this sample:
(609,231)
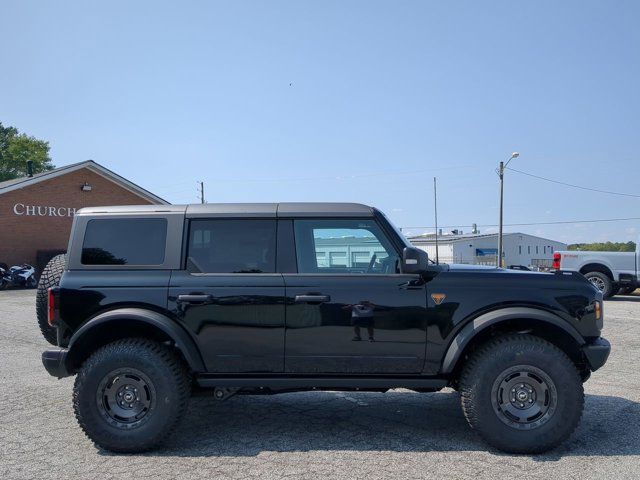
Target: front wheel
(522,394)
(130,395)
(31,282)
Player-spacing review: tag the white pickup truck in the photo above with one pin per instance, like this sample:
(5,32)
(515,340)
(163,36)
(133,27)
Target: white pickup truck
(611,272)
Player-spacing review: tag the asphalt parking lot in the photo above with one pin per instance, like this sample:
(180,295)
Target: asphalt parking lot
(311,435)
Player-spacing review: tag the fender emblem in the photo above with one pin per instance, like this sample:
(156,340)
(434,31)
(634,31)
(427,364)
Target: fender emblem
(438,297)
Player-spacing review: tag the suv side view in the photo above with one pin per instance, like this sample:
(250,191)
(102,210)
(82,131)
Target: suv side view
(155,302)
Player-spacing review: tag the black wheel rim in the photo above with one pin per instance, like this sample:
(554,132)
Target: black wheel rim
(125,397)
(524,397)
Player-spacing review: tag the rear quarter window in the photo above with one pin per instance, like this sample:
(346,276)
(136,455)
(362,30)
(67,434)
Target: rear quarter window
(232,246)
(124,241)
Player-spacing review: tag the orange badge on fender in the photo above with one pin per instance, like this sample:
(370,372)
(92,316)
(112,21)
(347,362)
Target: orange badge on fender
(438,297)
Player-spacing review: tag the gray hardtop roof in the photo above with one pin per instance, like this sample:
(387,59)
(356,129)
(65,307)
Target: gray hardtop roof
(256,210)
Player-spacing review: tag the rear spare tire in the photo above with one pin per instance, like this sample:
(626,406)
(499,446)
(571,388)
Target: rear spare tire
(50,278)
(522,394)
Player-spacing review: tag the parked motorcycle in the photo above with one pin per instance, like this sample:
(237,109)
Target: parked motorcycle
(18,276)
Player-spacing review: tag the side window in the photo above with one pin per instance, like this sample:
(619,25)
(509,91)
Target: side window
(343,246)
(232,246)
(124,241)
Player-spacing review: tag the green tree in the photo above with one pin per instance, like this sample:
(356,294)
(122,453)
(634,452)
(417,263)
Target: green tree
(16,148)
(605,247)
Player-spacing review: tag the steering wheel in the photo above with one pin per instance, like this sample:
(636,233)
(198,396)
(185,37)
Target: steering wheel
(372,262)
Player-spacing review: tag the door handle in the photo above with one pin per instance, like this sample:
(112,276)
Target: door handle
(412,285)
(312,298)
(195,298)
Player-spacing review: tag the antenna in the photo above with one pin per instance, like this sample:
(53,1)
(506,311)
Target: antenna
(435,208)
(201,192)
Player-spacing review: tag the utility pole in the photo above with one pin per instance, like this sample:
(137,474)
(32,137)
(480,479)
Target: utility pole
(435,208)
(201,192)
(500,172)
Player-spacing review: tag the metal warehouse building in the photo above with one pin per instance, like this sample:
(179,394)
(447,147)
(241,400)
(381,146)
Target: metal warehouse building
(36,211)
(482,249)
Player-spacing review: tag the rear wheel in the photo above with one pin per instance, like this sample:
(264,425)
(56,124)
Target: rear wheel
(130,395)
(627,290)
(50,278)
(522,394)
(602,282)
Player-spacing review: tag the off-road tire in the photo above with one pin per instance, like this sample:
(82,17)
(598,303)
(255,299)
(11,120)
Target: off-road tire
(168,379)
(602,282)
(483,371)
(50,278)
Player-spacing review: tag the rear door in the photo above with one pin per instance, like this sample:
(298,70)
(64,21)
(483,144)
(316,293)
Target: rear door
(349,310)
(229,295)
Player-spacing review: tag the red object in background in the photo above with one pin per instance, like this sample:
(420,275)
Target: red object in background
(51,317)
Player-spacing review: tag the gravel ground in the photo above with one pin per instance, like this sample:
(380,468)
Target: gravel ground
(325,435)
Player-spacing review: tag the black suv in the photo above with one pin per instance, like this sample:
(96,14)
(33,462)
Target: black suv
(156,302)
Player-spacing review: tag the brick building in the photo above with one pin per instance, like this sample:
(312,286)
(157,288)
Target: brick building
(36,211)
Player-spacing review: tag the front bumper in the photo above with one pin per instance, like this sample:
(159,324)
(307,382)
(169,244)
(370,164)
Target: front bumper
(54,361)
(596,352)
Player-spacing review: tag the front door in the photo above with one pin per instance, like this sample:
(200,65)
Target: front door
(349,310)
(230,297)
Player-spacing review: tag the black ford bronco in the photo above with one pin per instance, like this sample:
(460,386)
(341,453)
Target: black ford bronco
(153,303)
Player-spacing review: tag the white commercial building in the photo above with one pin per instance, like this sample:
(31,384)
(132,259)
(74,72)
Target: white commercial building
(482,249)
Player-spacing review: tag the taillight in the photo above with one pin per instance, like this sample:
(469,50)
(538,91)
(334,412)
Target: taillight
(598,310)
(557,257)
(51,314)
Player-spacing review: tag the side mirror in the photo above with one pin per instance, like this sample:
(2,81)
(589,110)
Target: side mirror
(414,260)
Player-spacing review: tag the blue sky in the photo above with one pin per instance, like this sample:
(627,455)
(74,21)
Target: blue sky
(343,101)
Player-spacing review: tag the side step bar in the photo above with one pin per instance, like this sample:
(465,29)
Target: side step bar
(293,382)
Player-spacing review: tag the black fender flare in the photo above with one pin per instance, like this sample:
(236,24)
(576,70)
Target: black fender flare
(169,327)
(478,324)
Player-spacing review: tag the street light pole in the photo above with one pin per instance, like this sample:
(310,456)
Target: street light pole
(501,175)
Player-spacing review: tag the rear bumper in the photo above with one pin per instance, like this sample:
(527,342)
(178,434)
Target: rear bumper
(54,361)
(596,352)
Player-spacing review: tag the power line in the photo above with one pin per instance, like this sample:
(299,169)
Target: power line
(572,185)
(529,224)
